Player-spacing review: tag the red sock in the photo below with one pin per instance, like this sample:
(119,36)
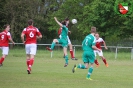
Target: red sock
(96,62)
(1,60)
(31,62)
(28,61)
(104,60)
(72,54)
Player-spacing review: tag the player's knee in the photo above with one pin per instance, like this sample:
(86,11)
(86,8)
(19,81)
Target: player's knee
(55,40)
(86,66)
(4,56)
(70,46)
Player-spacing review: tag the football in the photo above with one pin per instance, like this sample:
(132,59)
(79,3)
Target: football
(74,21)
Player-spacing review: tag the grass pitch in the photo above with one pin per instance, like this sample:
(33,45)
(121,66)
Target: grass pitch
(49,72)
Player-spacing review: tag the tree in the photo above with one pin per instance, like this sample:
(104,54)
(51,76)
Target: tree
(99,13)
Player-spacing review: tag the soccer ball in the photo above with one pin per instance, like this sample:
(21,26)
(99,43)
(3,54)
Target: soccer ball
(74,21)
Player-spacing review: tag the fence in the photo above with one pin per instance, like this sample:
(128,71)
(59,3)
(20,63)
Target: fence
(75,47)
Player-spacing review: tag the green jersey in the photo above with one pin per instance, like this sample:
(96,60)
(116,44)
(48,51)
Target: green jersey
(88,42)
(64,32)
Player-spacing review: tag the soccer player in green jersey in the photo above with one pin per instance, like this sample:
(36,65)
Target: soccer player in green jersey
(88,56)
(63,40)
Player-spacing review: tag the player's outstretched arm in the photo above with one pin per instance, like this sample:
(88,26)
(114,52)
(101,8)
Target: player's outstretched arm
(58,22)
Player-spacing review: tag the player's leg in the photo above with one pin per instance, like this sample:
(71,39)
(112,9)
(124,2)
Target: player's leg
(90,70)
(27,50)
(2,59)
(103,58)
(31,60)
(91,61)
(66,56)
(28,62)
(52,45)
(71,49)
(5,51)
(71,52)
(81,66)
(27,59)
(96,60)
(33,49)
(105,61)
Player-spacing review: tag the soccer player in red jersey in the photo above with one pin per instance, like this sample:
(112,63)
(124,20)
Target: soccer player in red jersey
(100,41)
(32,34)
(69,41)
(5,37)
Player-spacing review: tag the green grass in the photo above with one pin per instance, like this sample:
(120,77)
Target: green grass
(49,72)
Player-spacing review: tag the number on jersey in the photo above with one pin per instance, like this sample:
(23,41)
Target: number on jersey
(31,34)
(2,37)
(86,42)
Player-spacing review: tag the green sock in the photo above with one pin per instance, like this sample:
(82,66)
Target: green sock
(81,66)
(52,45)
(90,72)
(66,59)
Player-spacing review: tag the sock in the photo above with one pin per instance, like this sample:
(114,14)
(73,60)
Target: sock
(96,62)
(31,62)
(72,54)
(1,60)
(81,66)
(104,60)
(28,61)
(90,72)
(52,45)
(66,59)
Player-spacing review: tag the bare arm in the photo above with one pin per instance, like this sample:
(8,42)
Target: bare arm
(69,32)
(105,45)
(10,39)
(22,38)
(58,22)
(95,48)
(39,37)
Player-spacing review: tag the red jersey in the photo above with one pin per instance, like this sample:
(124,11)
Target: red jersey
(99,42)
(59,31)
(4,38)
(31,32)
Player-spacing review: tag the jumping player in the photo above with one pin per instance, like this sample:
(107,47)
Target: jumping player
(63,40)
(32,34)
(88,46)
(69,41)
(5,37)
(100,41)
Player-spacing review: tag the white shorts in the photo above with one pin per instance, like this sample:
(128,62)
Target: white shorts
(69,41)
(99,53)
(31,48)
(5,50)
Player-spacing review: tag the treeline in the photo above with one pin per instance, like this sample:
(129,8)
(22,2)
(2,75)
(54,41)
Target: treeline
(99,13)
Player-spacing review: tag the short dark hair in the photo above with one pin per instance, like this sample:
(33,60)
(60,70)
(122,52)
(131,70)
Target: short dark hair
(63,22)
(5,26)
(66,19)
(30,22)
(93,29)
